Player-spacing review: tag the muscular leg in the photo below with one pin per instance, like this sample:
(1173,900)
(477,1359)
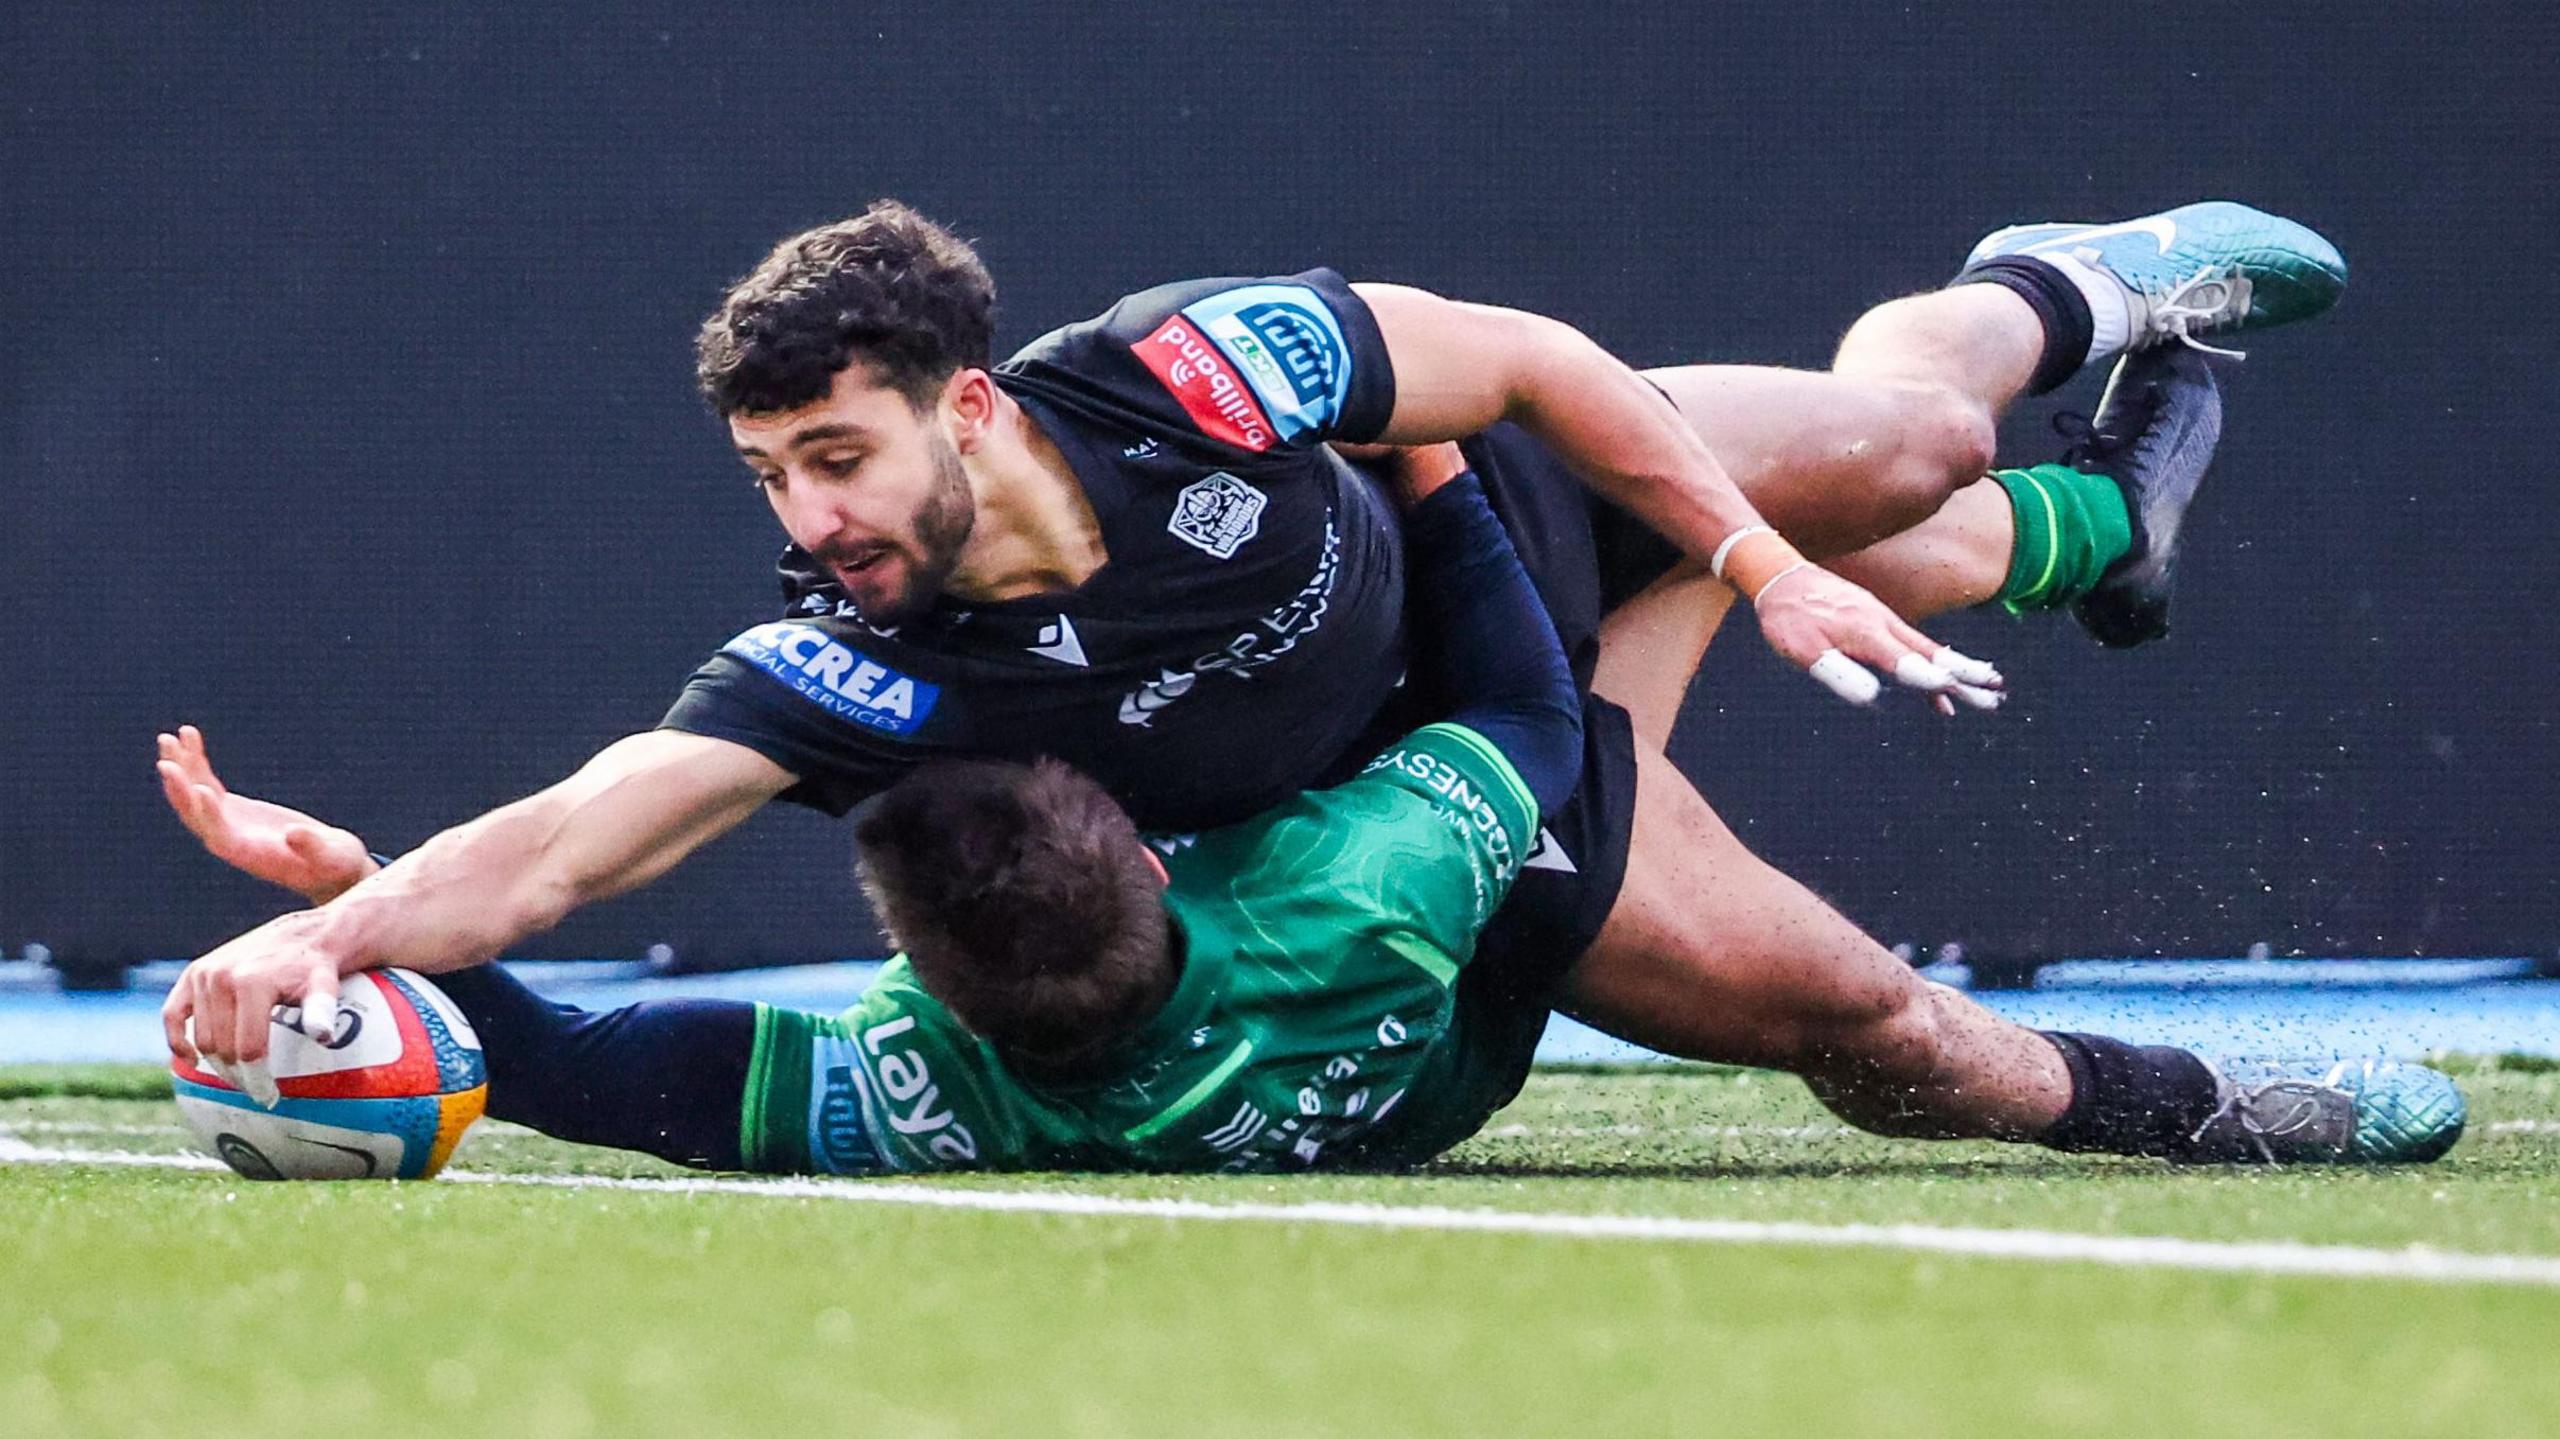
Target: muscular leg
(1712,954)
(1904,418)
(1955,559)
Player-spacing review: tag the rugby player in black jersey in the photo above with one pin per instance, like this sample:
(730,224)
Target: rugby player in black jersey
(1129,547)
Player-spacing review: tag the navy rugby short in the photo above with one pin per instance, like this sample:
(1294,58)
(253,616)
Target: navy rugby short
(1586,556)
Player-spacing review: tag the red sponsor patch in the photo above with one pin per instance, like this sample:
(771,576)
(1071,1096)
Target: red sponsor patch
(1211,392)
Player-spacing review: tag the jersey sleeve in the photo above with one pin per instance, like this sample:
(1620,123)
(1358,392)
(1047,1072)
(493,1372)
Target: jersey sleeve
(1478,821)
(1244,366)
(812,704)
(893,1085)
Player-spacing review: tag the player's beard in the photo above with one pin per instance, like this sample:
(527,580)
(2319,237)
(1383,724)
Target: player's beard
(941,530)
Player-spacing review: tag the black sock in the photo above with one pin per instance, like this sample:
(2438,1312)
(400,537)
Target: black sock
(2130,1099)
(665,1078)
(2068,328)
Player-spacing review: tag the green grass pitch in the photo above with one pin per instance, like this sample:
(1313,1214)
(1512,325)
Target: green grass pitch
(142,1299)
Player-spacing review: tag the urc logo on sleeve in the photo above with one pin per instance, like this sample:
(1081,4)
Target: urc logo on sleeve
(1254,366)
(841,681)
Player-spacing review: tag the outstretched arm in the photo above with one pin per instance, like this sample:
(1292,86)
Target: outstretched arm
(1482,641)
(1460,368)
(625,818)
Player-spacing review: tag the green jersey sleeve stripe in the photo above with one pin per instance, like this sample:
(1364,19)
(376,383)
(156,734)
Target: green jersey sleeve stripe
(1425,957)
(751,1122)
(1193,1097)
(1495,761)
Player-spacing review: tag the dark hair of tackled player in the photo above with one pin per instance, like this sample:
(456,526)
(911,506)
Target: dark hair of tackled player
(1028,906)
(888,287)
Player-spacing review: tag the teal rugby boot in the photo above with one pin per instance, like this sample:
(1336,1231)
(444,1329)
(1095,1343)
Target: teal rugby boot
(2214,267)
(2154,435)
(2358,1111)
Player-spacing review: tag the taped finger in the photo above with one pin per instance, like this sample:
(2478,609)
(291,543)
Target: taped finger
(1974,695)
(1845,677)
(253,1079)
(1968,669)
(316,1016)
(1920,674)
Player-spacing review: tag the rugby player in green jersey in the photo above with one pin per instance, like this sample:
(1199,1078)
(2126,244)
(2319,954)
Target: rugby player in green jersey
(1273,994)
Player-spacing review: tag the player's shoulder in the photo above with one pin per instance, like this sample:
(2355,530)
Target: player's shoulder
(1253,362)
(1442,792)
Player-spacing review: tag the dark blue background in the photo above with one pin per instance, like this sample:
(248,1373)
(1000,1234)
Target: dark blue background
(348,408)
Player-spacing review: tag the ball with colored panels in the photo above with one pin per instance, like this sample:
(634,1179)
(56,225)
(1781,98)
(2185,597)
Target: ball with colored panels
(386,1096)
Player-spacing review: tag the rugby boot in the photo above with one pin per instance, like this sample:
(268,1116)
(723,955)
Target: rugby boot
(2154,435)
(2214,267)
(2357,1111)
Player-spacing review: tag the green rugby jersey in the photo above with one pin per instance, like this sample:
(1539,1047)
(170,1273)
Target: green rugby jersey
(1314,1019)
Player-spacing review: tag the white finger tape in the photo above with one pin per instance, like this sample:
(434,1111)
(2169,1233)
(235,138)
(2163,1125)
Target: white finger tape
(253,1080)
(1845,677)
(1920,674)
(1966,668)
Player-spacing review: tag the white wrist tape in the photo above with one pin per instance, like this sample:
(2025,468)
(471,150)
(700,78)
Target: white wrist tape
(1715,562)
(1780,575)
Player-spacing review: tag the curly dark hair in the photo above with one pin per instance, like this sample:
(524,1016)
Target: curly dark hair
(1025,900)
(888,287)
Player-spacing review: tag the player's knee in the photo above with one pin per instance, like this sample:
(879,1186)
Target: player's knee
(1946,443)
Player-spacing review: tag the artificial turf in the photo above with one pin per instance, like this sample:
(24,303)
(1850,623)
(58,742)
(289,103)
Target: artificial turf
(144,1300)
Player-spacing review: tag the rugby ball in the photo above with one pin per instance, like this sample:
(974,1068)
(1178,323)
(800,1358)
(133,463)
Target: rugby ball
(386,1096)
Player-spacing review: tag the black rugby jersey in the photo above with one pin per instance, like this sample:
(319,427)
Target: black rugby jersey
(1234,648)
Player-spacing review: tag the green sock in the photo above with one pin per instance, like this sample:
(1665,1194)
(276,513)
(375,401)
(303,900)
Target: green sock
(2071,526)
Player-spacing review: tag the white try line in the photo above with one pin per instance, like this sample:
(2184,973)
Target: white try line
(2048,1246)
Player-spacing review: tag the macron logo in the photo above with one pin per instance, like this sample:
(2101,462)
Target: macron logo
(1058,642)
(1547,854)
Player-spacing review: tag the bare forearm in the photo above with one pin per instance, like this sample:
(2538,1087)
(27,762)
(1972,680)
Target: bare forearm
(627,817)
(458,900)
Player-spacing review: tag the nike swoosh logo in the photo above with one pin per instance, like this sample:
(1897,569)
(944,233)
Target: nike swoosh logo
(363,1156)
(2162,230)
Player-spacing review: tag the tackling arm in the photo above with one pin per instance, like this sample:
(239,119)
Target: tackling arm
(623,819)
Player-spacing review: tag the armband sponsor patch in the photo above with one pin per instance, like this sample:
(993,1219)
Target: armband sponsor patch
(840,1106)
(842,681)
(1254,366)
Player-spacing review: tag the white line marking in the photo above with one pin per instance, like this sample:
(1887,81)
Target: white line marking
(1708,1131)
(70,1126)
(2049,1246)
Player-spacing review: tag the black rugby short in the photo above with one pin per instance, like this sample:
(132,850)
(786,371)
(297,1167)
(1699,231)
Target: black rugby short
(1586,556)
